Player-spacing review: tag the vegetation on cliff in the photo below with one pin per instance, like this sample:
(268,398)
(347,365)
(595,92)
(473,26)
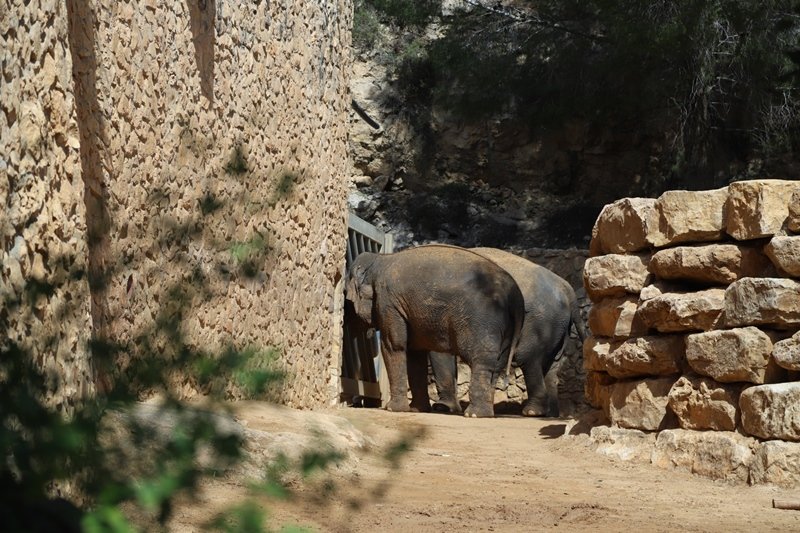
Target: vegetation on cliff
(688,94)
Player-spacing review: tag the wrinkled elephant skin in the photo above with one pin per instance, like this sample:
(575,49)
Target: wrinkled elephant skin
(550,309)
(438,298)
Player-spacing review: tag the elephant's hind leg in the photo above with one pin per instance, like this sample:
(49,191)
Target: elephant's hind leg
(536,404)
(445,373)
(481,390)
(418,380)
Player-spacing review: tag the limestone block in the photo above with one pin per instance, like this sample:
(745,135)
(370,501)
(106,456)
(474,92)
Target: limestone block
(646,356)
(713,264)
(776,462)
(702,403)
(598,389)
(741,354)
(640,404)
(713,454)
(793,222)
(784,252)
(615,275)
(616,318)
(772,411)
(625,444)
(692,311)
(763,301)
(758,208)
(690,216)
(657,288)
(624,226)
(595,352)
(787,352)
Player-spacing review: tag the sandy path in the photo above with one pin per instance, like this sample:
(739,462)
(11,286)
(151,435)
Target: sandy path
(506,474)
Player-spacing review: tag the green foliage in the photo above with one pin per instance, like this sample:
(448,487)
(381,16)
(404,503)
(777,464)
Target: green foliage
(250,255)
(402,13)
(107,449)
(366,26)
(716,80)
(111,452)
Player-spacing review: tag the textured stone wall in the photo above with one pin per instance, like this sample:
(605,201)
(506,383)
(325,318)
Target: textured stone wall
(212,137)
(44,292)
(695,323)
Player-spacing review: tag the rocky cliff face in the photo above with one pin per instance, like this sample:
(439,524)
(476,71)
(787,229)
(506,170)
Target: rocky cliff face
(428,175)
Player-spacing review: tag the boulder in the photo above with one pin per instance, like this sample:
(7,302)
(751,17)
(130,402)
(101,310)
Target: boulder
(624,226)
(720,264)
(690,216)
(787,352)
(721,455)
(616,318)
(758,208)
(763,301)
(772,411)
(641,404)
(793,222)
(624,444)
(615,275)
(702,403)
(646,356)
(598,389)
(691,311)
(784,252)
(742,354)
(776,462)
(595,352)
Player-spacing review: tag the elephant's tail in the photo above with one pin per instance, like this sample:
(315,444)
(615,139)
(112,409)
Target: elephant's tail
(518,318)
(577,320)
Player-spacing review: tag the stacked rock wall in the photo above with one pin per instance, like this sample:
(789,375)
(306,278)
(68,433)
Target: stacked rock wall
(695,319)
(212,142)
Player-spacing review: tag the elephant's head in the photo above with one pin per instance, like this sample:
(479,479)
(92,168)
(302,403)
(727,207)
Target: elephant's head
(359,288)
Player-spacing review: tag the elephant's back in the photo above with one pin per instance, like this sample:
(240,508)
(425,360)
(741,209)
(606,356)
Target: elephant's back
(450,270)
(536,282)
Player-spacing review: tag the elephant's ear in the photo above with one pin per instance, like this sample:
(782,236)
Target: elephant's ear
(360,292)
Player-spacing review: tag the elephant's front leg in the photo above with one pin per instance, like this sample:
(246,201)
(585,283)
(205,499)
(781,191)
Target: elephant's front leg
(445,373)
(536,405)
(393,349)
(417,363)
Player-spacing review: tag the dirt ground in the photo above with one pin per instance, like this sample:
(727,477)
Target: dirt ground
(503,474)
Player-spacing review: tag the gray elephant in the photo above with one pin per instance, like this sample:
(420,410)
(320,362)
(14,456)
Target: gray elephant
(550,309)
(438,298)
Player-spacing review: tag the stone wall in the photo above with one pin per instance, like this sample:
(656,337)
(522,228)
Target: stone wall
(44,292)
(695,319)
(212,137)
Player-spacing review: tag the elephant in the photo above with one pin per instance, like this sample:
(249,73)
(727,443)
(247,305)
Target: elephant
(551,308)
(438,298)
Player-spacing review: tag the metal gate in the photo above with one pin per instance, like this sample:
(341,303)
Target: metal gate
(364,380)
